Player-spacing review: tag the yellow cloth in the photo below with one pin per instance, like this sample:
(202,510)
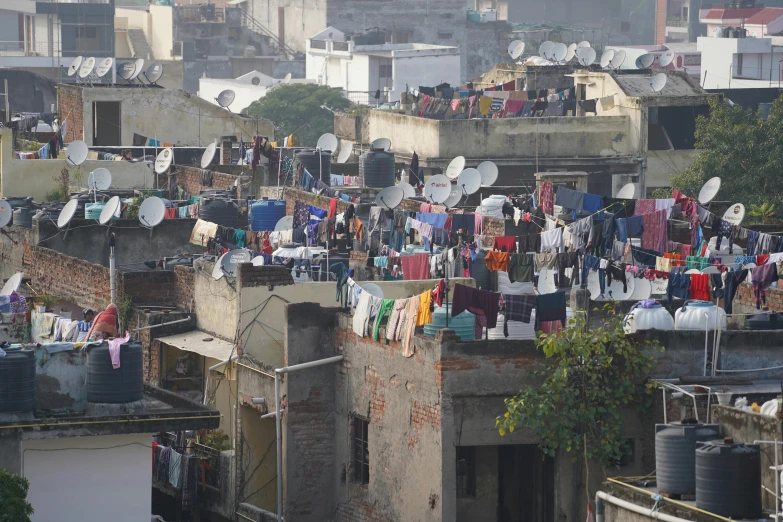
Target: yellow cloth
(662,264)
(423,314)
(289,141)
(484,104)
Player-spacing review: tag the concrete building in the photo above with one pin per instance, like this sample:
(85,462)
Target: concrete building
(687,57)
(247,88)
(386,70)
(741,62)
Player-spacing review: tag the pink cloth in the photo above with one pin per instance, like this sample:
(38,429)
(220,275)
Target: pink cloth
(513,106)
(655,233)
(547,198)
(644,206)
(114,349)
(415,267)
(454,104)
(425,207)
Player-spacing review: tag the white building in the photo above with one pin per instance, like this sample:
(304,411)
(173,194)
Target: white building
(362,71)
(740,62)
(247,88)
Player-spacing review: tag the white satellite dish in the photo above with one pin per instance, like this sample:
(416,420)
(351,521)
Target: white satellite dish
(66,214)
(559,52)
(666,58)
(208,156)
(645,61)
(642,289)
(12,285)
(456,166)
(287,79)
(658,82)
(99,179)
(546,49)
(6,213)
(383,144)
(103,67)
(154,72)
(230,261)
(111,207)
(618,59)
(407,189)
(127,71)
(712,269)
(345,152)
(469,181)
(735,214)
(709,190)
(217,270)
(373,290)
(163,161)
(606,58)
(258,261)
(86,68)
(586,56)
(571,52)
(75,64)
(152,211)
(437,188)
(583,44)
(693,271)
(284,223)
(327,142)
(455,196)
(76,153)
(516,48)
(489,173)
(627,192)
(225,98)
(390,197)
(138,66)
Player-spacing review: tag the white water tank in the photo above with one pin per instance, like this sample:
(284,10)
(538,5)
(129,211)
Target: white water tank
(489,15)
(492,206)
(698,315)
(655,318)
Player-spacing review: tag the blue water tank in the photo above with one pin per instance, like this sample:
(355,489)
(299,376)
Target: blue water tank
(464,324)
(265,213)
(93,210)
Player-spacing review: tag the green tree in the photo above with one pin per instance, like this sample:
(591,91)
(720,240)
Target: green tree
(296,109)
(13,498)
(765,212)
(745,151)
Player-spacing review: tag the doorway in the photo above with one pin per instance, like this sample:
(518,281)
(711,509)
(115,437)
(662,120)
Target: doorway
(106,131)
(526,484)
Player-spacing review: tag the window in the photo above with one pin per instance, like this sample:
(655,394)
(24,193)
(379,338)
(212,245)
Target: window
(466,471)
(86,32)
(361,452)
(739,65)
(385,70)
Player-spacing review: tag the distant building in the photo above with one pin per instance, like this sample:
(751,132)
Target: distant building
(247,88)
(731,63)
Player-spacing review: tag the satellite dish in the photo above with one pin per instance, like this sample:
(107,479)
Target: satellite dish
(645,61)
(489,173)
(606,58)
(66,214)
(383,144)
(208,156)
(469,181)
(407,189)
(345,152)
(225,98)
(666,58)
(571,52)
(99,179)
(586,56)
(163,161)
(76,153)
(284,223)
(154,72)
(559,52)
(642,289)
(109,210)
(618,59)
(75,64)
(287,79)
(390,197)
(456,166)
(516,48)
(86,68)
(455,196)
(230,260)
(373,289)
(152,211)
(437,188)
(258,261)
(127,71)
(328,142)
(583,44)
(217,270)
(138,66)
(709,190)
(6,213)
(12,285)
(693,271)
(712,269)
(627,192)
(658,82)
(546,49)
(735,214)
(103,67)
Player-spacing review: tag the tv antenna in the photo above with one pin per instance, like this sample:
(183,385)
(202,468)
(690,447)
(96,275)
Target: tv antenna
(86,68)
(76,153)
(456,166)
(658,82)
(103,67)
(153,73)
(345,152)
(645,61)
(228,263)
(12,285)
(455,196)
(209,155)
(126,72)
(489,173)
(407,190)
(99,179)
(437,188)
(74,67)
(546,48)
(666,58)
(585,56)
(109,211)
(606,58)
(390,197)
(735,214)
(66,215)
(571,53)
(469,181)
(516,48)
(151,212)
(287,79)
(559,52)
(583,44)
(6,214)
(163,160)
(709,190)
(327,142)
(226,98)
(618,59)
(381,144)
(627,191)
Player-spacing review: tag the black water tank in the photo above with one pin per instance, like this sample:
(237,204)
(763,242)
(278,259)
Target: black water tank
(17,380)
(764,321)
(23,217)
(218,210)
(728,479)
(675,454)
(309,158)
(107,385)
(376,169)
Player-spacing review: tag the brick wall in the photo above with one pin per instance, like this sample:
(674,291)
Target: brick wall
(150,288)
(70,107)
(250,275)
(189,179)
(185,287)
(87,284)
(745,302)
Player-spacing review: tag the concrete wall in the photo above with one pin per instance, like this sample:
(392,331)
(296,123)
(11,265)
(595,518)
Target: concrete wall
(217,302)
(428,69)
(60,380)
(162,32)
(663,164)
(299,21)
(209,88)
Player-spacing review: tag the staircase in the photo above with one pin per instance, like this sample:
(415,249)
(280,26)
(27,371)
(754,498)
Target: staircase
(256,27)
(138,44)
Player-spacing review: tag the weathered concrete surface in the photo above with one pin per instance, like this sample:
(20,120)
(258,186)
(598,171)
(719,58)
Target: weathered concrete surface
(614,513)
(60,380)
(216,301)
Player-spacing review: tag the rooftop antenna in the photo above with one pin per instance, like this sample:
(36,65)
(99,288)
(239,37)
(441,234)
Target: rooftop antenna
(437,189)
(66,215)
(153,73)
(606,58)
(407,190)
(99,179)
(546,48)
(227,264)
(126,72)
(74,67)
(658,82)
(735,214)
(110,210)
(76,153)
(138,66)
(583,44)
(515,49)
(326,142)
(345,152)
(284,223)
(559,52)
(709,190)
(585,56)
(287,79)
(6,214)
(226,98)
(618,59)
(645,61)
(163,160)
(12,285)
(666,58)
(456,166)
(208,156)
(489,173)
(381,144)
(151,212)
(373,289)
(455,196)
(86,68)
(469,181)
(571,53)
(627,191)
(390,197)
(103,67)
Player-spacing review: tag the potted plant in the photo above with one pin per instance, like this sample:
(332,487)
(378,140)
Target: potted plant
(724,396)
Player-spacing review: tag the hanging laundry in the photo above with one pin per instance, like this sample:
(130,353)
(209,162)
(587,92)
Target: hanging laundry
(466,297)
(551,307)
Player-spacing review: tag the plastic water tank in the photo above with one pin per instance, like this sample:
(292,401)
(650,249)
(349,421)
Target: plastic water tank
(728,479)
(17,379)
(692,316)
(23,217)
(93,210)
(675,454)
(314,165)
(493,206)
(266,213)
(655,318)
(107,385)
(464,324)
(517,330)
(218,210)
(376,169)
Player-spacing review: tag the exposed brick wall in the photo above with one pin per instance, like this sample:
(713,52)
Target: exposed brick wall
(745,302)
(66,277)
(185,287)
(357,511)
(70,107)
(150,288)
(250,275)
(376,384)
(189,179)
(424,413)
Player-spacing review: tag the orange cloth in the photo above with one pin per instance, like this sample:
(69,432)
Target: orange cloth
(700,287)
(497,260)
(675,259)
(424,314)
(358,227)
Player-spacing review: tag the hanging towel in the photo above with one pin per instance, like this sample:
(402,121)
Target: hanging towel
(415,267)
(114,350)
(466,297)
(551,307)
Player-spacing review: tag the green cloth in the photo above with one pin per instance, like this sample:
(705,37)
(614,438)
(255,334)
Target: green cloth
(386,306)
(341,273)
(520,268)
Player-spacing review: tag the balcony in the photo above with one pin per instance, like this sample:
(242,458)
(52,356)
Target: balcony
(21,48)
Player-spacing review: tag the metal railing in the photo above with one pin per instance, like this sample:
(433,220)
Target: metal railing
(367,97)
(254,25)
(201,13)
(22,48)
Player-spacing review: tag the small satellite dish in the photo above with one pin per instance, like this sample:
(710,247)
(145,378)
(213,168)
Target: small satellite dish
(709,190)
(390,197)
(587,56)
(217,270)
(231,260)
(469,181)
(437,188)
(287,79)
(583,44)
(86,68)
(127,71)
(489,173)
(618,59)
(284,223)
(383,144)
(642,289)
(6,213)
(571,52)
(208,156)
(75,65)
(735,214)
(225,98)
(152,211)
(407,189)
(658,82)
(138,66)
(111,207)
(328,142)
(516,48)
(712,269)
(163,161)
(76,153)
(627,191)
(456,166)
(747,265)
(455,196)
(154,72)
(559,52)
(12,285)
(103,67)
(666,58)
(693,271)
(258,261)
(606,58)
(373,290)
(546,49)
(345,152)
(645,61)
(67,213)
(99,179)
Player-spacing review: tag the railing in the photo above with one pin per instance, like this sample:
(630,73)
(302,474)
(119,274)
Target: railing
(367,97)
(201,13)
(21,48)
(318,44)
(211,462)
(340,46)
(676,22)
(254,25)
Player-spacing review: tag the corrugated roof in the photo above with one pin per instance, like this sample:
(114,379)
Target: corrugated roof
(201,343)
(765,16)
(731,14)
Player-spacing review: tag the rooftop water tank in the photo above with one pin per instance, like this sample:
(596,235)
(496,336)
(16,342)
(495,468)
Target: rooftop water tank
(23,217)
(675,454)
(655,318)
(107,385)
(376,169)
(698,315)
(517,330)
(464,324)
(17,379)
(493,206)
(728,479)
(266,213)
(310,160)
(93,210)
(218,210)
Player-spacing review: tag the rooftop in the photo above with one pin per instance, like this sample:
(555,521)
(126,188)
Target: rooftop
(638,85)
(765,16)
(730,14)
